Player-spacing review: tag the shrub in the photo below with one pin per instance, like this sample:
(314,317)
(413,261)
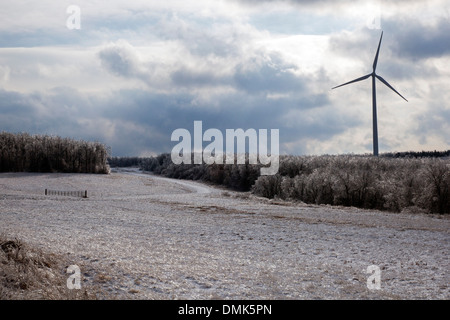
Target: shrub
(362,181)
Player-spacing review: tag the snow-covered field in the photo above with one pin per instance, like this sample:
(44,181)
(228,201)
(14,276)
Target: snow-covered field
(141,236)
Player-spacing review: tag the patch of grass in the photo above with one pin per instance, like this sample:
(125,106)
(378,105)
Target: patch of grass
(28,273)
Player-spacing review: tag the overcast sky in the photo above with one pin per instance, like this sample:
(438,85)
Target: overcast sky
(137,70)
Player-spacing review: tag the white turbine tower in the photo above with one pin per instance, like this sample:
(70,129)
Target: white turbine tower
(374,97)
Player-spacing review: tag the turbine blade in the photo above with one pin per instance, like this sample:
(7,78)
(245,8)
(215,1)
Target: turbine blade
(356,80)
(375,61)
(387,84)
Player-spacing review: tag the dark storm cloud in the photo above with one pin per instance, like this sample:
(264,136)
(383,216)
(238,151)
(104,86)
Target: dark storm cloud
(143,121)
(120,60)
(267,78)
(14,103)
(396,59)
(136,121)
(29,112)
(404,37)
(426,126)
(360,44)
(185,77)
(259,75)
(434,119)
(45,112)
(165,113)
(417,40)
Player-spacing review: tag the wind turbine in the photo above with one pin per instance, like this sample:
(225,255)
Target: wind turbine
(374,96)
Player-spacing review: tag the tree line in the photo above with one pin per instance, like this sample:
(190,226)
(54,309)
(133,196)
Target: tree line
(417,154)
(115,162)
(22,152)
(384,183)
(393,184)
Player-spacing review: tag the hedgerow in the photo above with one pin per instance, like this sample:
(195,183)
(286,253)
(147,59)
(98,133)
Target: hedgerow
(383,183)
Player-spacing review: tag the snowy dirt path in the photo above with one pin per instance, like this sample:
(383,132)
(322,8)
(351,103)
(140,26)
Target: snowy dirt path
(141,236)
(192,185)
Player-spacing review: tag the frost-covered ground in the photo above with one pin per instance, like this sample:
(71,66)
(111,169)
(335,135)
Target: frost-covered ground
(145,237)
